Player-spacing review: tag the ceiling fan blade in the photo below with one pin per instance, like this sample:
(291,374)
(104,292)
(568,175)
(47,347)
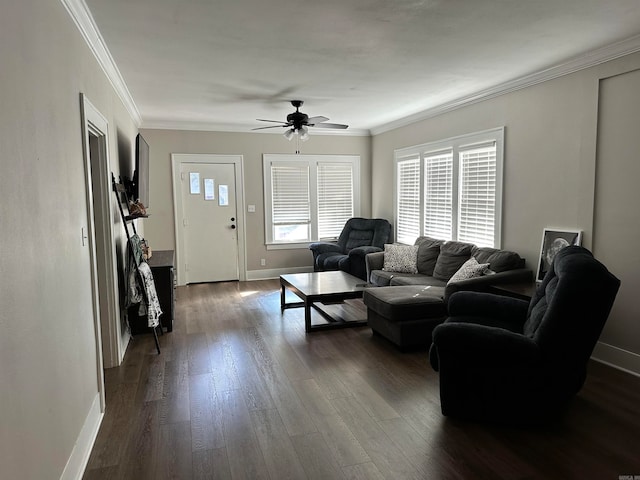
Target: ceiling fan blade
(272,121)
(270,126)
(330,125)
(316,120)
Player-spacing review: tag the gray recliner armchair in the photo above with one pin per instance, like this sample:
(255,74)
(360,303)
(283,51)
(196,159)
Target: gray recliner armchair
(507,360)
(359,237)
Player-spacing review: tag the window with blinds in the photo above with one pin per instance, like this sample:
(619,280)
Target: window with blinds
(335,198)
(461,182)
(308,197)
(438,193)
(408,200)
(290,202)
(477,205)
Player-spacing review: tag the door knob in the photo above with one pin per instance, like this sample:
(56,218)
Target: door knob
(233,219)
(233,227)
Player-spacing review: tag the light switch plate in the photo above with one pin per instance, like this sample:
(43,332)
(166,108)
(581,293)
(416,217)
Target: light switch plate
(251,208)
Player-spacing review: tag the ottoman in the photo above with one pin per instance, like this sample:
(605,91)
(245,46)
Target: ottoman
(405,315)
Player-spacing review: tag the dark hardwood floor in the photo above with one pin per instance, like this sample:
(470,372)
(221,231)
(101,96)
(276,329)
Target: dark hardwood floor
(241,392)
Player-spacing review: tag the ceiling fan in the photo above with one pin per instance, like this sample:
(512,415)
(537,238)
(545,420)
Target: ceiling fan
(297,123)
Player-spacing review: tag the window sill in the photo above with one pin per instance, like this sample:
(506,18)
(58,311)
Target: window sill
(288,246)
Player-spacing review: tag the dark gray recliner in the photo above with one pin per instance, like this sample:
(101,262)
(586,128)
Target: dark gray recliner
(359,237)
(510,361)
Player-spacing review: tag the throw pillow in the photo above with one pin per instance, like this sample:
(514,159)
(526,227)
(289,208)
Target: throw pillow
(470,269)
(428,251)
(452,256)
(400,258)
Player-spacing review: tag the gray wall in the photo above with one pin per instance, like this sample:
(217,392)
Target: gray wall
(551,173)
(48,373)
(617,221)
(159,227)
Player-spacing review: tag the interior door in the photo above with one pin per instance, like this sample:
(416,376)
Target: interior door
(209,220)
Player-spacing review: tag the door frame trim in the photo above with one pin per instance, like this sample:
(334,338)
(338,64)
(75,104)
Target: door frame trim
(177,159)
(94,123)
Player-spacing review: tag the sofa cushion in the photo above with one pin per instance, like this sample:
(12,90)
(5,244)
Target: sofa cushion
(417,279)
(406,303)
(358,238)
(329,260)
(400,258)
(380,278)
(498,260)
(469,269)
(452,257)
(428,251)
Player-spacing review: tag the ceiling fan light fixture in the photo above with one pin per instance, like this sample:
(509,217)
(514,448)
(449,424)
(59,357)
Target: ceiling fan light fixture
(298,123)
(289,134)
(304,133)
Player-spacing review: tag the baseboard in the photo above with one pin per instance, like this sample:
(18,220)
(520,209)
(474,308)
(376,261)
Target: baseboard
(124,342)
(617,358)
(266,274)
(74,469)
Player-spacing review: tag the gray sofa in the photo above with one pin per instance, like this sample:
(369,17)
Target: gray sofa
(407,306)
(438,260)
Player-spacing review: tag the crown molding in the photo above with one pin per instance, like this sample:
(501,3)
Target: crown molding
(237,128)
(587,60)
(83,19)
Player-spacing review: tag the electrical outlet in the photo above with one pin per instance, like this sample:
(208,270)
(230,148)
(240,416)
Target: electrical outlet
(263,262)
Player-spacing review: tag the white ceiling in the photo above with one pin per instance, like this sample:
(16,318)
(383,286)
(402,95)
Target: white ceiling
(221,64)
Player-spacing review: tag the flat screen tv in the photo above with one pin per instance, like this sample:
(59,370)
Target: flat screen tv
(141,173)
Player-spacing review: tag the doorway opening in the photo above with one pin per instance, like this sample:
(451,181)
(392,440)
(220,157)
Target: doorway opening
(99,238)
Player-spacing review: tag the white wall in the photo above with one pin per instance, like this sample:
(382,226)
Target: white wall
(48,375)
(550,173)
(159,227)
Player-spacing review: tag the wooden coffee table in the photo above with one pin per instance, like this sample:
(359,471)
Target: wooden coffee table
(322,287)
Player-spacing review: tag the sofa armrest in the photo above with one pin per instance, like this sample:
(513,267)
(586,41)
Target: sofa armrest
(355,262)
(478,304)
(361,252)
(482,283)
(324,247)
(373,261)
(480,345)
(517,275)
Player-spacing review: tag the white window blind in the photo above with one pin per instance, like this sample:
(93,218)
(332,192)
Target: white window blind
(308,197)
(408,200)
(438,193)
(291,209)
(451,189)
(335,198)
(477,204)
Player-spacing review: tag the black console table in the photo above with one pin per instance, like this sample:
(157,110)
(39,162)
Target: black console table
(162,266)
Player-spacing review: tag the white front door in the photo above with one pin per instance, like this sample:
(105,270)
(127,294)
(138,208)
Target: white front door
(209,222)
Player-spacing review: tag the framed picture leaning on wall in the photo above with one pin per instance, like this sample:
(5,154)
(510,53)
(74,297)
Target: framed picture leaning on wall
(553,240)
